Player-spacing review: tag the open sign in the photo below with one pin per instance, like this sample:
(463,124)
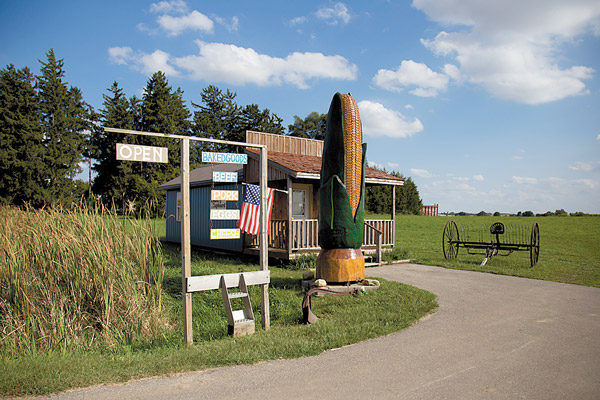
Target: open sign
(135,152)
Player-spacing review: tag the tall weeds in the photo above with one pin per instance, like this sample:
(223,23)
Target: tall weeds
(72,279)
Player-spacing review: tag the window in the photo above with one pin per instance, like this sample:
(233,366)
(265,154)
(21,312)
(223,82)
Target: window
(299,203)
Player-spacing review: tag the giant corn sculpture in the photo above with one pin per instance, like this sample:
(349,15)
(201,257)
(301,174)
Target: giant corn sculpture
(341,194)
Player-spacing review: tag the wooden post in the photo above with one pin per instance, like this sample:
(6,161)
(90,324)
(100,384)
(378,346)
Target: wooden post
(186,269)
(393,216)
(264,244)
(290,231)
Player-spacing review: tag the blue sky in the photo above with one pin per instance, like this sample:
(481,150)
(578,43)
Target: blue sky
(487,105)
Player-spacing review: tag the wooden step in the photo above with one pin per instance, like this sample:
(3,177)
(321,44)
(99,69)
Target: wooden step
(237,295)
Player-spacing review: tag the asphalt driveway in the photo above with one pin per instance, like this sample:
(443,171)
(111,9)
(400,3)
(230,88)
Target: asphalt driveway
(493,337)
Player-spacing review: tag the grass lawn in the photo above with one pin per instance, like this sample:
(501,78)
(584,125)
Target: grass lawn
(569,247)
(344,320)
(569,252)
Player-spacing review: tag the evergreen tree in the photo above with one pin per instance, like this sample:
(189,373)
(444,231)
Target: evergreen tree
(163,110)
(64,119)
(109,182)
(252,118)
(216,117)
(311,127)
(408,201)
(21,149)
(220,117)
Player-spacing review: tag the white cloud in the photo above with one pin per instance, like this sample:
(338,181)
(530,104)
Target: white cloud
(513,47)
(143,62)
(231,27)
(477,178)
(195,21)
(164,7)
(409,107)
(334,15)
(374,165)
(156,61)
(120,55)
(410,73)
(393,165)
(298,21)
(598,137)
(524,180)
(453,72)
(421,173)
(588,183)
(581,166)
(380,121)
(219,62)
(238,65)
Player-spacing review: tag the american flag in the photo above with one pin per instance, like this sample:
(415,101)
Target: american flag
(250,215)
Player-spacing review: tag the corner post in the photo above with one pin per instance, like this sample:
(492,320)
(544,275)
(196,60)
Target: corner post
(186,269)
(264,244)
(393,216)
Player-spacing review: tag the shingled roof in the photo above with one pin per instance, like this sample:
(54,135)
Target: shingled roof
(295,165)
(303,166)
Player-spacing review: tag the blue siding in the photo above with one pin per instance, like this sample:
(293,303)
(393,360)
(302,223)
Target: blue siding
(200,218)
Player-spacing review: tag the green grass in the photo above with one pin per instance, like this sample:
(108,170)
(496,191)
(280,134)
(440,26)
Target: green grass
(569,247)
(344,320)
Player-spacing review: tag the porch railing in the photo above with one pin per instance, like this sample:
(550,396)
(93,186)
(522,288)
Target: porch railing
(305,234)
(387,229)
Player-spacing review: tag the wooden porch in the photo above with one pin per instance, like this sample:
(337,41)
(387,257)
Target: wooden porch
(303,237)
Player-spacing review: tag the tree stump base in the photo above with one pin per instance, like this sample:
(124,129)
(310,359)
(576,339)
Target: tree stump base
(340,265)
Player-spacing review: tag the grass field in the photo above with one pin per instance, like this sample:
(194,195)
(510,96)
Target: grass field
(570,252)
(50,366)
(569,247)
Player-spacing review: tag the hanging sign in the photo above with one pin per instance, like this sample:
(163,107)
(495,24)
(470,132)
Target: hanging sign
(216,234)
(134,152)
(220,176)
(228,195)
(224,158)
(225,215)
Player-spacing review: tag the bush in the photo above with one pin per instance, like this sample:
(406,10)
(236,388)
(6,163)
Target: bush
(304,262)
(398,253)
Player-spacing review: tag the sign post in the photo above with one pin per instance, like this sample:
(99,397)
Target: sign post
(264,244)
(157,154)
(186,269)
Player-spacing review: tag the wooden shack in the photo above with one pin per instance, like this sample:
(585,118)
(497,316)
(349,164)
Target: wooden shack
(293,167)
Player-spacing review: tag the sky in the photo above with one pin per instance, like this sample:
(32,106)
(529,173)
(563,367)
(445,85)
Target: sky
(487,105)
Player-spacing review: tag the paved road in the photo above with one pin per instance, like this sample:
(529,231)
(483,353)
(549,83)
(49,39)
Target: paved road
(493,337)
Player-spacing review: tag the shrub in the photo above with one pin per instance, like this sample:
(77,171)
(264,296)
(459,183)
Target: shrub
(304,262)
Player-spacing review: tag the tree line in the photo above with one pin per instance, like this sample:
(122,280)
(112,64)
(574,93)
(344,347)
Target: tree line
(47,131)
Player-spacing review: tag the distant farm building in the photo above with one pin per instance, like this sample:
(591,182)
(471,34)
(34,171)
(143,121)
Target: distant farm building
(430,211)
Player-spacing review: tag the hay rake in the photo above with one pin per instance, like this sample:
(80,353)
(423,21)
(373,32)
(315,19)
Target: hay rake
(499,240)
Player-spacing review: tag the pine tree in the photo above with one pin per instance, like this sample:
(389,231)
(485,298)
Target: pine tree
(215,118)
(21,149)
(163,110)
(252,118)
(64,119)
(311,127)
(408,200)
(109,182)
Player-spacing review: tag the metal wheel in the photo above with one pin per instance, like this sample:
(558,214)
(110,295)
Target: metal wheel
(450,240)
(534,250)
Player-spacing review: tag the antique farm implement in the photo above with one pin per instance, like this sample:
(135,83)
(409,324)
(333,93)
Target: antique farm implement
(499,240)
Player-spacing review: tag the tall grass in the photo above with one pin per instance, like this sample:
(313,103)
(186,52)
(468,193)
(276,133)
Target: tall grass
(72,279)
